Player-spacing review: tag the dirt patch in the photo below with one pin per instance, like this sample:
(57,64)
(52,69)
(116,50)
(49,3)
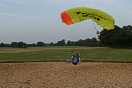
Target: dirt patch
(62,75)
(35,49)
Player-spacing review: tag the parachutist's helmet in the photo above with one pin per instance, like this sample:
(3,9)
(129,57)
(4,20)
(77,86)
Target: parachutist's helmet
(77,54)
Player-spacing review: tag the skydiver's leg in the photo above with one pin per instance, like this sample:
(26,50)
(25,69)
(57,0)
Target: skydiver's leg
(79,61)
(69,61)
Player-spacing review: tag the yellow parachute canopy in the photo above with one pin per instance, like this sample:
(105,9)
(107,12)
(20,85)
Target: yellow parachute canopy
(78,14)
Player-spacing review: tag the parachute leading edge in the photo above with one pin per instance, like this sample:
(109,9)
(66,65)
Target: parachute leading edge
(78,14)
(66,18)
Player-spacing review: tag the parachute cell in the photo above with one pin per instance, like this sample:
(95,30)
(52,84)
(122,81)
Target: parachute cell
(78,14)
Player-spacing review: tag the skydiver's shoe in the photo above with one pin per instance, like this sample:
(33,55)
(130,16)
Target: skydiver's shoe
(68,61)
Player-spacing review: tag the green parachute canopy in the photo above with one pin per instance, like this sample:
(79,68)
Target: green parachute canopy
(78,14)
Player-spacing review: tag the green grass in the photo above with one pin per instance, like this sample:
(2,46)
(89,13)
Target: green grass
(112,55)
(46,55)
(90,54)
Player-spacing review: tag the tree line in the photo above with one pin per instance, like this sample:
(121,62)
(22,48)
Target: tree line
(115,38)
(85,42)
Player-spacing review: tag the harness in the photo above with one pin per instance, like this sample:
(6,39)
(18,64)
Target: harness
(75,60)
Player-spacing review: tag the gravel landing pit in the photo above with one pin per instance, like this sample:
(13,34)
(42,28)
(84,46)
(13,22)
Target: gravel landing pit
(63,75)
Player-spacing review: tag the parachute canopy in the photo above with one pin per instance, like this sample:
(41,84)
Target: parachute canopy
(78,14)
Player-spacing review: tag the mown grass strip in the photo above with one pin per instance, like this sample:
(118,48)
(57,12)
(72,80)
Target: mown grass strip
(92,55)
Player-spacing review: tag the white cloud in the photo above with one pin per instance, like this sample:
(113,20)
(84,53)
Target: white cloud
(6,14)
(18,16)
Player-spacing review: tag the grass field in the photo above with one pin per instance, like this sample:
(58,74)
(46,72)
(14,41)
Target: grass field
(60,54)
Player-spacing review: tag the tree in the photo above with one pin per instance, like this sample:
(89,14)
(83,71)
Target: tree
(40,43)
(128,31)
(61,43)
(2,45)
(80,42)
(31,45)
(51,44)
(70,43)
(21,45)
(93,42)
(14,44)
(117,38)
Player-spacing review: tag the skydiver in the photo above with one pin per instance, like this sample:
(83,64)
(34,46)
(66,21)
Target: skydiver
(75,59)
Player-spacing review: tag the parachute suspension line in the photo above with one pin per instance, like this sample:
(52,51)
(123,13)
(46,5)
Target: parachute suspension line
(94,26)
(74,36)
(97,32)
(73,50)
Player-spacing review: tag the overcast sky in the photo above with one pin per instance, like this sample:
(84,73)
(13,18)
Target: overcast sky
(31,21)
